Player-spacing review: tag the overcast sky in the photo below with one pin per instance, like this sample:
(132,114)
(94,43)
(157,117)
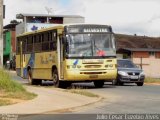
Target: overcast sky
(141,17)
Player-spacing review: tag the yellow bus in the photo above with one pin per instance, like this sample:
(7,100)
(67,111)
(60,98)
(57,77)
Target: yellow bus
(66,54)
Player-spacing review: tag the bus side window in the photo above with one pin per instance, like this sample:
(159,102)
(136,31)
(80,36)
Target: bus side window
(45,43)
(53,42)
(24,44)
(30,44)
(37,43)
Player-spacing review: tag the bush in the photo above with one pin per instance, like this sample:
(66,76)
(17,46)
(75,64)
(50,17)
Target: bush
(7,84)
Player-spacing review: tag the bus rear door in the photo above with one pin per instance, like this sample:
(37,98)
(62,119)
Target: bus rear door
(22,59)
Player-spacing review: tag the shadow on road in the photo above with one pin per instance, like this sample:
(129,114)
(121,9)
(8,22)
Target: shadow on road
(89,85)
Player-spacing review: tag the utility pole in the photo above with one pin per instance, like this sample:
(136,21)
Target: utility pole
(1,33)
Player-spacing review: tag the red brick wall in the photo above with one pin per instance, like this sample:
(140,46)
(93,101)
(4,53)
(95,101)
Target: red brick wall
(157,54)
(140,54)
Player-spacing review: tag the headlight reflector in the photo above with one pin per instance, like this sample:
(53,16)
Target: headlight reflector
(122,73)
(142,74)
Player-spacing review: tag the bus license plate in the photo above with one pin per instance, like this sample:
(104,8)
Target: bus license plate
(93,76)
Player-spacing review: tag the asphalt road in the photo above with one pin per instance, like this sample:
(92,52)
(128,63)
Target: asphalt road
(127,99)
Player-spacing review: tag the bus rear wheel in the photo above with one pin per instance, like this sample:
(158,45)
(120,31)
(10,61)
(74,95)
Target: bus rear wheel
(99,84)
(32,81)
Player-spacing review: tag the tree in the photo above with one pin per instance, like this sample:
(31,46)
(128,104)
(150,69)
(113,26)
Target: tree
(15,22)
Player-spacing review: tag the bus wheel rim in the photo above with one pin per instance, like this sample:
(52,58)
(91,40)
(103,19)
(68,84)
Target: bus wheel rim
(55,78)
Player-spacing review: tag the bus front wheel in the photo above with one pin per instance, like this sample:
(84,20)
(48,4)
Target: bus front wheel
(55,77)
(57,82)
(99,84)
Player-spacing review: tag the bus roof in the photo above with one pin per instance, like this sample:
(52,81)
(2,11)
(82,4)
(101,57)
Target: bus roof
(42,30)
(59,27)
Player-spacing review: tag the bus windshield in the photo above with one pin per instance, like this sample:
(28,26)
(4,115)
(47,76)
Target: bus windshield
(91,45)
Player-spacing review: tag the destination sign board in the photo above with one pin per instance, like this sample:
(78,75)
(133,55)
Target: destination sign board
(95,30)
(88,29)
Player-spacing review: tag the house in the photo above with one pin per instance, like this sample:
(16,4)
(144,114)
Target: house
(33,22)
(9,43)
(143,51)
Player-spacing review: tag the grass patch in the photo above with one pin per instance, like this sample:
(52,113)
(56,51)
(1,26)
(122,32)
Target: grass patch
(20,95)
(152,80)
(7,84)
(4,102)
(82,92)
(12,89)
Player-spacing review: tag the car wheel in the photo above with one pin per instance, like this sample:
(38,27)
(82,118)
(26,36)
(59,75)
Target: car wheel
(140,84)
(118,82)
(121,83)
(114,82)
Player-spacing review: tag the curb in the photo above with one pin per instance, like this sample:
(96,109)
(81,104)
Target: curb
(157,84)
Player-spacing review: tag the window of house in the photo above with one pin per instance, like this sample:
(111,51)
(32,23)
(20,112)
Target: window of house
(152,53)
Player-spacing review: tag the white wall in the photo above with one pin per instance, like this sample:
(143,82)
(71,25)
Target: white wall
(151,66)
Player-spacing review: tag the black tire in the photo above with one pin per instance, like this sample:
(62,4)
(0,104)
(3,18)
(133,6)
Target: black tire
(118,82)
(32,81)
(57,83)
(37,82)
(98,84)
(55,78)
(140,84)
(114,82)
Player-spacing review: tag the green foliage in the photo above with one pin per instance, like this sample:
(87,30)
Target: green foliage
(152,80)
(11,89)
(4,102)
(15,22)
(7,84)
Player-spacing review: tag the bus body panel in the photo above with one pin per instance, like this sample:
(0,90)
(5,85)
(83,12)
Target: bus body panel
(90,69)
(68,69)
(40,63)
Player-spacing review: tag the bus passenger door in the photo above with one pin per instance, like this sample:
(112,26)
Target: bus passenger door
(61,58)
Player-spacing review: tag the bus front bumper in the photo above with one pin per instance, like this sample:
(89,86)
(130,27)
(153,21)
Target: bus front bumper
(77,75)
